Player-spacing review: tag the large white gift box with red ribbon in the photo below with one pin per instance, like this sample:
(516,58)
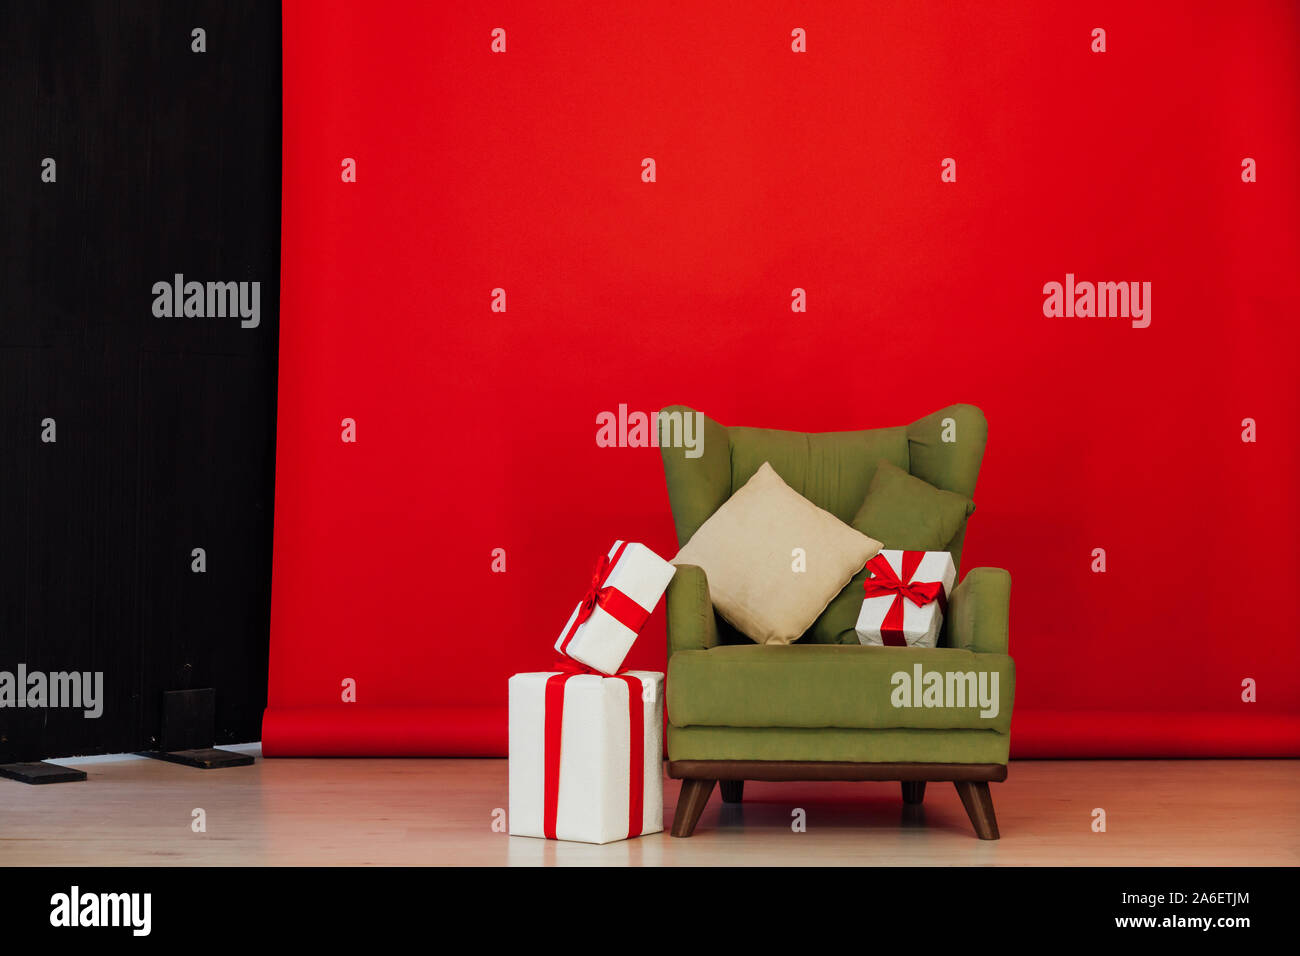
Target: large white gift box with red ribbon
(586,755)
(906,597)
(625,587)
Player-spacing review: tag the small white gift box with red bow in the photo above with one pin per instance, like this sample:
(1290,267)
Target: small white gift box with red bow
(906,597)
(586,755)
(625,587)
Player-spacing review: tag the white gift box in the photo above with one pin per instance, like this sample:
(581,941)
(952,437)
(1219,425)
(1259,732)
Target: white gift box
(594,801)
(638,578)
(892,619)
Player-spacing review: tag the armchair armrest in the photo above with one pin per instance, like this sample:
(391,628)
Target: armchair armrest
(691,624)
(979,611)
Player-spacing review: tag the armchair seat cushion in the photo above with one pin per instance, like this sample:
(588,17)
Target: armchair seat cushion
(840,685)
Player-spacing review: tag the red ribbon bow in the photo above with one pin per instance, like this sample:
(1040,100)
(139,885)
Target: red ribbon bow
(886,582)
(572,668)
(594,593)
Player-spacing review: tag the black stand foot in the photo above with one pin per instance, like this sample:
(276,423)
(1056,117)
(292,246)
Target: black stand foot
(187,730)
(205,758)
(41,772)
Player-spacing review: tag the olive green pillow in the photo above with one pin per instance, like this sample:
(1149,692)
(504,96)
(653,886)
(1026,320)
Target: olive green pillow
(909,514)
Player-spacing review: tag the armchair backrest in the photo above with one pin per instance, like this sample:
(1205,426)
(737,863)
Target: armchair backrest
(830,469)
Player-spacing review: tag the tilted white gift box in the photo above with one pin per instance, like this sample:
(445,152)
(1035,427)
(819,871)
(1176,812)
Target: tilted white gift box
(593,796)
(893,618)
(627,585)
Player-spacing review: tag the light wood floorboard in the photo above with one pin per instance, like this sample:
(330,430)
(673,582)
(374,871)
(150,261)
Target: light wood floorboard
(134,811)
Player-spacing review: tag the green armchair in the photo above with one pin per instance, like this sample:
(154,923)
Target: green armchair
(827,707)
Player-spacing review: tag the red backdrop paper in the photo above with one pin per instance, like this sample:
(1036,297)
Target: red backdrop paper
(476,430)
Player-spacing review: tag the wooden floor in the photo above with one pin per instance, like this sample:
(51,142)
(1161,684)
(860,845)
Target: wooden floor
(136,811)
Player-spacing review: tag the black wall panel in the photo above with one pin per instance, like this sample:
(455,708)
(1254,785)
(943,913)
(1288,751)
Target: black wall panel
(167,161)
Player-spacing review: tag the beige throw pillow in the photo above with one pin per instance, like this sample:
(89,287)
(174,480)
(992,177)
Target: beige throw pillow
(747,551)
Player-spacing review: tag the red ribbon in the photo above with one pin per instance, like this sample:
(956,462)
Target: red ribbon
(553,733)
(614,602)
(885,581)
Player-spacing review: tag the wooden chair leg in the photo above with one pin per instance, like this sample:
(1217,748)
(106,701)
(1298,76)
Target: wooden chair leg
(913,791)
(978,802)
(690,804)
(733,791)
